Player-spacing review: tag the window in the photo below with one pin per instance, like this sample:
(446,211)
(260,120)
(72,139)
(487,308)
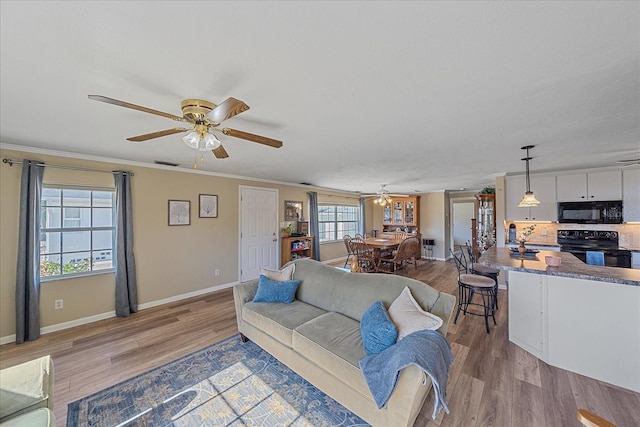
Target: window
(334,222)
(76,232)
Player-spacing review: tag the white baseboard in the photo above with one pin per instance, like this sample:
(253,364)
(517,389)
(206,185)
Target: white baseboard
(102,316)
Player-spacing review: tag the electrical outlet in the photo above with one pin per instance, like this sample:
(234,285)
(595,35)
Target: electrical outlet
(545,232)
(217,272)
(58,304)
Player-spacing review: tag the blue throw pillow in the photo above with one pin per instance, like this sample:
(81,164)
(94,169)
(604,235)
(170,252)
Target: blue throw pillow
(377,329)
(274,291)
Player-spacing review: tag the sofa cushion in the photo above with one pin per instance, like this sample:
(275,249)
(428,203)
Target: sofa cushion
(26,387)
(278,319)
(377,329)
(352,294)
(282,275)
(275,291)
(333,341)
(409,317)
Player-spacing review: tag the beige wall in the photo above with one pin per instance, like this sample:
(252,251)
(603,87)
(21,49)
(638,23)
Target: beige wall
(171,261)
(433,224)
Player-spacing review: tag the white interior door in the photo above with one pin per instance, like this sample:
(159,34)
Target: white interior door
(258,231)
(462,215)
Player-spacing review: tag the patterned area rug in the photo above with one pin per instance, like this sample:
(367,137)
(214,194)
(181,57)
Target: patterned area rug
(227,384)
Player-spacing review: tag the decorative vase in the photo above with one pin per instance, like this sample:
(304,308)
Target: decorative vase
(522,249)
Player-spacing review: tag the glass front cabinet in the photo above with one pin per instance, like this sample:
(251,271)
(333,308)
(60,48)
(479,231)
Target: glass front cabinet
(402,214)
(486,221)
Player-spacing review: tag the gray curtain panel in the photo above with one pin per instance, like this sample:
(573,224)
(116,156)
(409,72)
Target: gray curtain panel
(125,263)
(28,265)
(363,228)
(314,228)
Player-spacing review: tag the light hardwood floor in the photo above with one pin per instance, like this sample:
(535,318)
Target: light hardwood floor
(492,382)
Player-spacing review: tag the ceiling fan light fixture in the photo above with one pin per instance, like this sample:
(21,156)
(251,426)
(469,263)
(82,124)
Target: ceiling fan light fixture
(210,142)
(192,140)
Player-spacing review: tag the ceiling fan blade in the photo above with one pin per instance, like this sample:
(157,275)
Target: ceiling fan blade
(229,108)
(254,138)
(220,152)
(158,134)
(136,107)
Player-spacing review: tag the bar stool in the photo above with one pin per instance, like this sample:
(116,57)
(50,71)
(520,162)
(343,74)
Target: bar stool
(470,284)
(484,270)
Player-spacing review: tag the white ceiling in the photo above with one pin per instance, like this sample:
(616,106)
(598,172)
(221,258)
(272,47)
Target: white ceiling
(421,96)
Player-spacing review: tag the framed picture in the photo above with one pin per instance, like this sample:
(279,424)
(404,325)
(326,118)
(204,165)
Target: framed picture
(179,212)
(208,206)
(292,210)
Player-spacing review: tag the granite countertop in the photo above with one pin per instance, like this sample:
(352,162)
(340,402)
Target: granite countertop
(570,267)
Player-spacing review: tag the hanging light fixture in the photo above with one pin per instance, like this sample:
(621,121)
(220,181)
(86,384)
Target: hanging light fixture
(382,200)
(201,140)
(528,200)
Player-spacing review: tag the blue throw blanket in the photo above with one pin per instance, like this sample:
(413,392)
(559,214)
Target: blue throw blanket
(427,349)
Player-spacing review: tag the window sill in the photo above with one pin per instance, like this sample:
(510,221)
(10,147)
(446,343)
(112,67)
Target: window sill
(77,275)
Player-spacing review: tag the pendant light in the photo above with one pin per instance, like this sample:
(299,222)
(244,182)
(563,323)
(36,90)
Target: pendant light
(528,200)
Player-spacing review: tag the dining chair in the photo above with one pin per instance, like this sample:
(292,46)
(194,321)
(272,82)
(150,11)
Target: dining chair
(595,258)
(406,252)
(470,285)
(399,235)
(483,270)
(347,243)
(365,254)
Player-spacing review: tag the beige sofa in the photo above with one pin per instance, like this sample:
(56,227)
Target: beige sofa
(26,394)
(318,335)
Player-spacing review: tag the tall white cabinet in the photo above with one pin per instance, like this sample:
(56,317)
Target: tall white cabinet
(631,195)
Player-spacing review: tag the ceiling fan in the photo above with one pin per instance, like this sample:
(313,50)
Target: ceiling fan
(382,197)
(205,118)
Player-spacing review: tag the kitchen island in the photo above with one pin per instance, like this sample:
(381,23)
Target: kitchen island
(578,317)
(570,267)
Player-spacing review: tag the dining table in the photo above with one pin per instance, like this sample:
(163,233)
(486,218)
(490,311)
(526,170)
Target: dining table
(382,244)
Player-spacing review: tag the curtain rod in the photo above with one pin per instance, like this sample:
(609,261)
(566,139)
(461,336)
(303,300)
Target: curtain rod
(73,168)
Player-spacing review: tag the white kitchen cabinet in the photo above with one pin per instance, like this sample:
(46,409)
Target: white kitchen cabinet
(514,190)
(527,312)
(631,195)
(635,259)
(606,185)
(544,188)
(558,320)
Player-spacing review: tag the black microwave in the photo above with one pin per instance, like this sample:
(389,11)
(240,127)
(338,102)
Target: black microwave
(603,212)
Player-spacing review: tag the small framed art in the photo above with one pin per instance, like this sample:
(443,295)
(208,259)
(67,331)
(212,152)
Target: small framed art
(179,212)
(208,206)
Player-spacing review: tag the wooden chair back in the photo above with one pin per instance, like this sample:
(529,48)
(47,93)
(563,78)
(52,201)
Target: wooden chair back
(589,419)
(365,254)
(347,243)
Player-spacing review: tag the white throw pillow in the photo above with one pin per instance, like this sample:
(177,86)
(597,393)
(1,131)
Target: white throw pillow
(283,275)
(409,317)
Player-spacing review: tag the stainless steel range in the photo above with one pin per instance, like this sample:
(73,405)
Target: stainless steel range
(578,242)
